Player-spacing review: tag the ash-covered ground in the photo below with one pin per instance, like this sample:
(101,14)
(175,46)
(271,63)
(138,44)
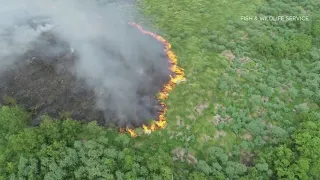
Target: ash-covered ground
(90,68)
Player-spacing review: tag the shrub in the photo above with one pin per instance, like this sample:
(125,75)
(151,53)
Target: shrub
(316,29)
(204,31)
(315,55)
(263,45)
(231,45)
(221,48)
(230,29)
(213,37)
(300,43)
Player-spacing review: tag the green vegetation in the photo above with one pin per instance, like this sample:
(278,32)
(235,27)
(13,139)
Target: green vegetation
(249,108)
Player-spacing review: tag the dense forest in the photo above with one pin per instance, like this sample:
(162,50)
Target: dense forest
(248,110)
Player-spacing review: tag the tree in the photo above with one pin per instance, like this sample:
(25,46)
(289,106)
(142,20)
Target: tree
(204,167)
(300,44)
(280,48)
(299,157)
(217,154)
(265,89)
(256,128)
(197,175)
(235,170)
(315,55)
(293,92)
(316,29)
(283,158)
(286,64)
(278,134)
(263,45)
(12,121)
(302,108)
(262,167)
(307,93)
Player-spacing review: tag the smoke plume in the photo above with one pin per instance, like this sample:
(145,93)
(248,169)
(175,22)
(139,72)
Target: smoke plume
(122,66)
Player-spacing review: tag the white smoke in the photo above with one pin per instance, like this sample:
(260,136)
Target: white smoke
(112,57)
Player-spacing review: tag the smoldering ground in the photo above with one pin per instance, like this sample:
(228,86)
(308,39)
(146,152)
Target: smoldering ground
(78,57)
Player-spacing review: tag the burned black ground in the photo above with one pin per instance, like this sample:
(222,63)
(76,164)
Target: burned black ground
(46,85)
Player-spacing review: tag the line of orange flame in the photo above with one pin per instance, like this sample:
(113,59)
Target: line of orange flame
(164,93)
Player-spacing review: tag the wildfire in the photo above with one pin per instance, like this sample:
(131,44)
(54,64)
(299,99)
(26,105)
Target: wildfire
(164,93)
(131,132)
(178,77)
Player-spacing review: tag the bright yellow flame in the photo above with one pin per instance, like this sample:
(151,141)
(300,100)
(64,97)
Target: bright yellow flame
(132,132)
(164,93)
(146,130)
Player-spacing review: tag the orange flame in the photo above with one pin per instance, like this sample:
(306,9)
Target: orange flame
(164,93)
(132,132)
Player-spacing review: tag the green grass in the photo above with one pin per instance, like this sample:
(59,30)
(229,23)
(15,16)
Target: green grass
(187,27)
(198,31)
(235,90)
(12,120)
